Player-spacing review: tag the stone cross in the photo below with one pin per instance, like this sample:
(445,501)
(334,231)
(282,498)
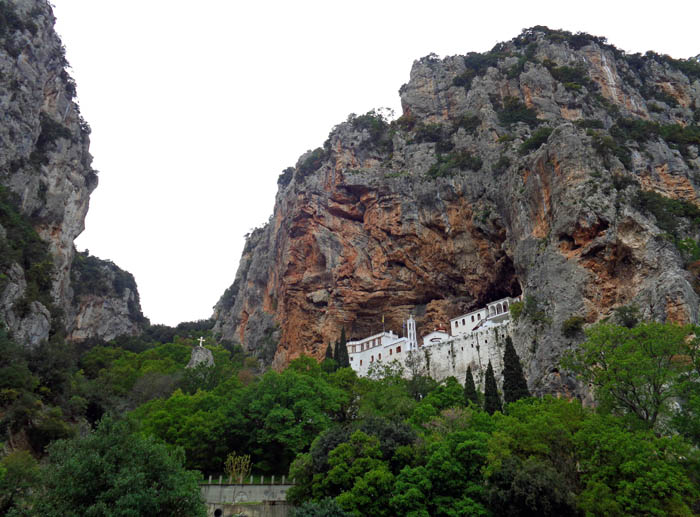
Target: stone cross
(201,340)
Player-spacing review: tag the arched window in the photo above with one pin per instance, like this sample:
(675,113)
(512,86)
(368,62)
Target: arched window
(398,349)
(360,362)
(472,318)
(371,359)
(505,306)
(379,358)
(478,316)
(464,321)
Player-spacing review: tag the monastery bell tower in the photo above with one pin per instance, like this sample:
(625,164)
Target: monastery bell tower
(411,331)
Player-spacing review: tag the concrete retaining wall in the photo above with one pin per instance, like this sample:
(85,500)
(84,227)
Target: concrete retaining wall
(235,493)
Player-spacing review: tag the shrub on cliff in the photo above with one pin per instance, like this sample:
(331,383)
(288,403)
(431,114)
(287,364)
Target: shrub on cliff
(312,162)
(539,137)
(448,164)
(572,326)
(514,111)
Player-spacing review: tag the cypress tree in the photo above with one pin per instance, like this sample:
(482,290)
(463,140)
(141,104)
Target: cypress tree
(514,383)
(329,351)
(470,394)
(341,351)
(492,402)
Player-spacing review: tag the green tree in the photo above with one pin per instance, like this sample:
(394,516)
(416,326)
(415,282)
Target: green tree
(341,351)
(530,488)
(286,411)
(470,394)
(329,352)
(514,383)
(633,472)
(492,400)
(114,472)
(19,474)
(633,370)
(542,429)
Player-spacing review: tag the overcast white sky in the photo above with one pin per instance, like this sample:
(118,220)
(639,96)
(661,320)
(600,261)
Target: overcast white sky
(196,107)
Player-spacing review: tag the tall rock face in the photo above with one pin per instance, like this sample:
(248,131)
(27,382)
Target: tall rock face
(45,175)
(554,166)
(105,301)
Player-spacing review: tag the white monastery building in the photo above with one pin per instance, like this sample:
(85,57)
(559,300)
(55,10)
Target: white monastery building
(474,339)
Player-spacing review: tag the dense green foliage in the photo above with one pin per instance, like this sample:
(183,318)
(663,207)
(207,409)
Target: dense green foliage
(395,444)
(114,472)
(634,371)
(19,473)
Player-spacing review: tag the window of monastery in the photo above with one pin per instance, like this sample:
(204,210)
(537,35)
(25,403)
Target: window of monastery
(472,318)
(379,358)
(398,349)
(464,321)
(360,362)
(371,359)
(456,324)
(479,315)
(391,352)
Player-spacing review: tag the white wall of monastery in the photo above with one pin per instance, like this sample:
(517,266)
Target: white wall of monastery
(476,338)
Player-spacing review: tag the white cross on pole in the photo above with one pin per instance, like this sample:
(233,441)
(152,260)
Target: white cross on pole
(201,340)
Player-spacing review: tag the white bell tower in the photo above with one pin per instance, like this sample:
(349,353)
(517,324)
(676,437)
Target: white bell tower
(411,331)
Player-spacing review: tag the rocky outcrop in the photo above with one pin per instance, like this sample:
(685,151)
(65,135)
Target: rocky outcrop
(46,174)
(105,301)
(554,166)
(200,355)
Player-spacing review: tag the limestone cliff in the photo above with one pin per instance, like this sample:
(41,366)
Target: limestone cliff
(555,166)
(46,178)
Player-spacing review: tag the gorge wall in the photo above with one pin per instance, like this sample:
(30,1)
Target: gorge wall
(555,166)
(46,179)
